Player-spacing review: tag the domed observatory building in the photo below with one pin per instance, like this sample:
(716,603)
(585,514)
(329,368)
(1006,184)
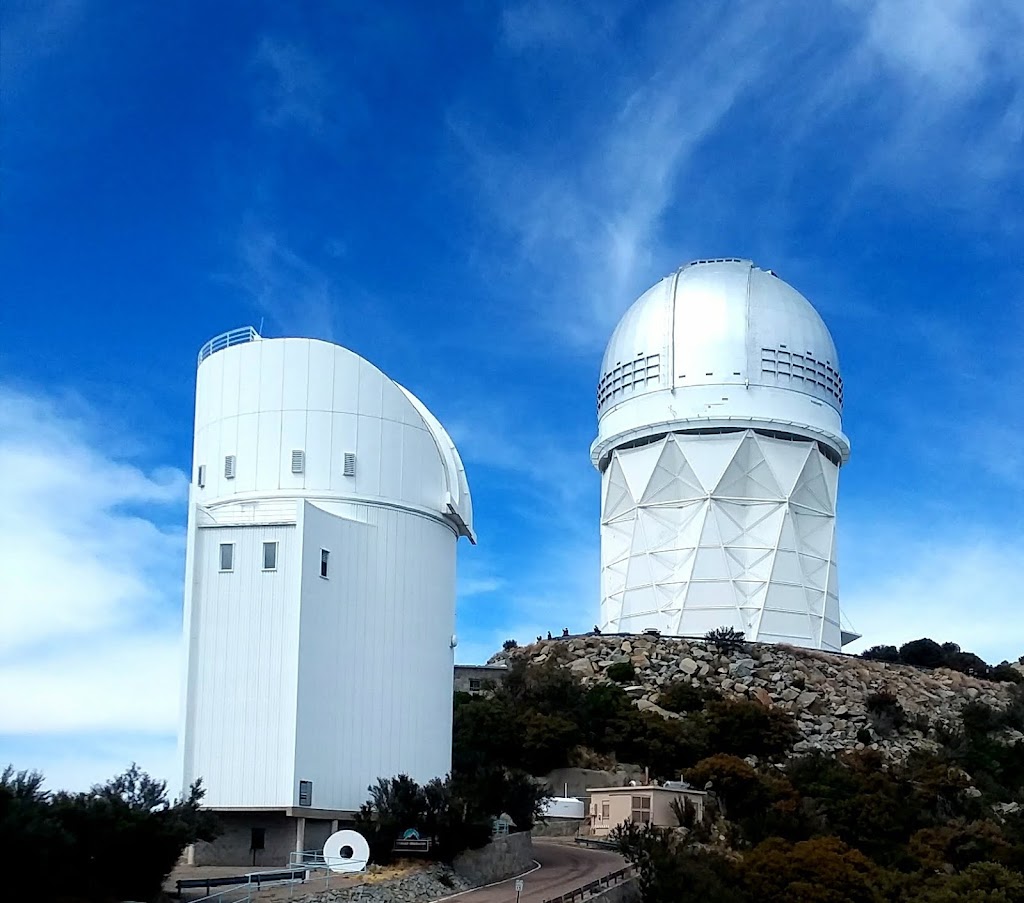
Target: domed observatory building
(324,513)
(719,446)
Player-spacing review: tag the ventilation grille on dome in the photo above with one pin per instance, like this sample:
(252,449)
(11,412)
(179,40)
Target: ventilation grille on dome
(627,378)
(803,371)
(694,263)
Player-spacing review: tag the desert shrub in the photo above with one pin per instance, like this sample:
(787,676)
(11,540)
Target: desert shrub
(980,882)
(681,697)
(545,741)
(887,715)
(959,845)
(117,841)
(1006,673)
(738,786)
(485,732)
(725,639)
(882,654)
(622,672)
(742,727)
(455,821)
(667,871)
(509,645)
(504,790)
(923,653)
(822,870)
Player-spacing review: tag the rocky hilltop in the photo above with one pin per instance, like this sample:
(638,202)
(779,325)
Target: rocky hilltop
(836,700)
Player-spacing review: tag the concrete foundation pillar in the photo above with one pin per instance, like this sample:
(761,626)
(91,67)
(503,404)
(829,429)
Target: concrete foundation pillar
(300,834)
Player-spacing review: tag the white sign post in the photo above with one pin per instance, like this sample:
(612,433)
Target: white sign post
(519,888)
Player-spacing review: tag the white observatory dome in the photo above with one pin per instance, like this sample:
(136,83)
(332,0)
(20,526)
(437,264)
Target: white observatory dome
(719,444)
(720,344)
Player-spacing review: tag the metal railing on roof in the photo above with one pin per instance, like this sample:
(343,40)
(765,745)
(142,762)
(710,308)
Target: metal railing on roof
(227,339)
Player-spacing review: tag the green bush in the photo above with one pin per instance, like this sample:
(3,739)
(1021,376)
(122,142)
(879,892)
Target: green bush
(742,727)
(682,697)
(117,841)
(622,672)
(453,821)
(725,639)
(887,713)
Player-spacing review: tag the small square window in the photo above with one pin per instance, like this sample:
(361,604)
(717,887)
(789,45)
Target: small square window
(227,556)
(270,556)
(324,555)
(641,813)
(475,684)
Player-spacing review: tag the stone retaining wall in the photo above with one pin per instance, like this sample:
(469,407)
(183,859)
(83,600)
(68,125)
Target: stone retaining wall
(502,858)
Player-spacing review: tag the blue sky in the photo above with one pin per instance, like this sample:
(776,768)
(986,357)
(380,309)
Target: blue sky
(470,198)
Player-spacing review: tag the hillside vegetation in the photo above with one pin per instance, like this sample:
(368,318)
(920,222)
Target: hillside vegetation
(833,778)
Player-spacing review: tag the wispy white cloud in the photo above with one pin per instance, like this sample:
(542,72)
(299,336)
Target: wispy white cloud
(533,24)
(910,98)
(554,587)
(588,216)
(90,582)
(295,87)
(285,285)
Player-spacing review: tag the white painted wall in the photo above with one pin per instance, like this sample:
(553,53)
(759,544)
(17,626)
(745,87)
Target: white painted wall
(733,530)
(375,674)
(290,676)
(242,682)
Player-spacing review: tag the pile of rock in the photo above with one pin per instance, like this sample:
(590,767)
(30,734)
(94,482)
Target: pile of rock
(434,882)
(826,693)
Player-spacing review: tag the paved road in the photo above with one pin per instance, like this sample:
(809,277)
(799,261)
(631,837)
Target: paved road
(564,867)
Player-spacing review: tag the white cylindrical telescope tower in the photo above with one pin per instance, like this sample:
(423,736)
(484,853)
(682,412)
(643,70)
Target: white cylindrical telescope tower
(324,513)
(719,446)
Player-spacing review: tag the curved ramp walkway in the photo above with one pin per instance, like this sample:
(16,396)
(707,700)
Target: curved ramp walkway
(564,867)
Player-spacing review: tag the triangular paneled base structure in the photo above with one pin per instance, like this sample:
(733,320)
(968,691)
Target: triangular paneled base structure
(730,530)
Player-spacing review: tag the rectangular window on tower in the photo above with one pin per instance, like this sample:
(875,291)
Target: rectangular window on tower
(229,467)
(324,555)
(270,556)
(201,477)
(227,556)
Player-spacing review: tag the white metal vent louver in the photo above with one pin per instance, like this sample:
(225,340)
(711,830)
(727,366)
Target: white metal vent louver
(298,460)
(350,464)
(201,477)
(229,467)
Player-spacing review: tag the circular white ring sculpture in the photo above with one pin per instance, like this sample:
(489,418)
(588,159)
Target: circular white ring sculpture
(346,851)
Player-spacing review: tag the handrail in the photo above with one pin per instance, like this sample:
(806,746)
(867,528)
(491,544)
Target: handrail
(233,881)
(594,887)
(227,339)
